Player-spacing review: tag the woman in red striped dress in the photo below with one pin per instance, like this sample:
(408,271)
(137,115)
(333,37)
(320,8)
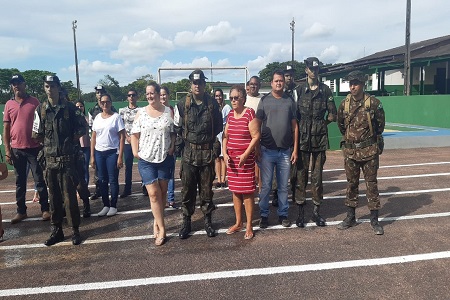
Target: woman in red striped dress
(240,139)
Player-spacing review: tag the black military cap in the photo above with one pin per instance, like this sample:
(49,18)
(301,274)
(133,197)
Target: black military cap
(17,78)
(197,74)
(51,78)
(289,69)
(312,62)
(100,88)
(356,75)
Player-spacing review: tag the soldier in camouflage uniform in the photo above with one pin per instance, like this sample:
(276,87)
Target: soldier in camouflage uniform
(361,121)
(59,125)
(198,121)
(315,109)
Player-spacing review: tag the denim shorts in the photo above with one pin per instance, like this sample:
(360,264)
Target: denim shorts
(151,172)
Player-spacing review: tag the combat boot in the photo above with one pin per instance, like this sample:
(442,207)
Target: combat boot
(317,218)
(86,208)
(76,238)
(56,236)
(185,228)
(374,222)
(208,226)
(350,220)
(301,216)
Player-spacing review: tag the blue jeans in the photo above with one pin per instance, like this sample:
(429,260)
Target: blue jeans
(87,158)
(128,156)
(24,158)
(269,160)
(108,173)
(171,187)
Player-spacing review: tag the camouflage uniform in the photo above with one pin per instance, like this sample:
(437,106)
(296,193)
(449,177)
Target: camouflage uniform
(60,126)
(199,126)
(360,147)
(312,107)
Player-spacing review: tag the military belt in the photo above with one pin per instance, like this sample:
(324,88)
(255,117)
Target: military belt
(201,146)
(56,159)
(360,145)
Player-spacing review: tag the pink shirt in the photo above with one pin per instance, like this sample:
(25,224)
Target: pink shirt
(21,116)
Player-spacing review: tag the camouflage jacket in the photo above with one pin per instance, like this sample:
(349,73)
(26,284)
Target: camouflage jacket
(315,109)
(358,141)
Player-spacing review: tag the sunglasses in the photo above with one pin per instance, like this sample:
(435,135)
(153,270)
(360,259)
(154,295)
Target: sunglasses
(235,98)
(131,95)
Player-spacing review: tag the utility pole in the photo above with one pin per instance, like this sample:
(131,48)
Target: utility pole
(407,71)
(74,26)
(293,30)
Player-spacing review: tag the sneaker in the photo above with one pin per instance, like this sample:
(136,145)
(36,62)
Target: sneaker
(264,222)
(172,204)
(94,196)
(125,194)
(45,216)
(284,221)
(112,212)
(103,212)
(218,185)
(18,218)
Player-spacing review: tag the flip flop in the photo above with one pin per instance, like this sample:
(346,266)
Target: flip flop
(35,199)
(160,241)
(234,229)
(249,236)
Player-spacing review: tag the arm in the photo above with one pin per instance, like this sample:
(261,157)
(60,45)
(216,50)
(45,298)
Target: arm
(295,150)
(224,144)
(121,146)
(256,135)
(331,108)
(7,142)
(93,140)
(258,145)
(341,118)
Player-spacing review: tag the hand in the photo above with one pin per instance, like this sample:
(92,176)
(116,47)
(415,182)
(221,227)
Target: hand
(93,163)
(9,158)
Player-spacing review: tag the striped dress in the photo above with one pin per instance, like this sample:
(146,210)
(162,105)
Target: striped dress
(241,180)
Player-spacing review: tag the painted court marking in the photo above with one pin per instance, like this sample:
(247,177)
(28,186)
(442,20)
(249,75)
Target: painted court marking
(225,274)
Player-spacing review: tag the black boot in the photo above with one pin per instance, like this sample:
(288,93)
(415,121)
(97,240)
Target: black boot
(185,228)
(56,236)
(317,218)
(301,216)
(86,208)
(350,220)
(275,198)
(374,222)
(76,238)
(208,226)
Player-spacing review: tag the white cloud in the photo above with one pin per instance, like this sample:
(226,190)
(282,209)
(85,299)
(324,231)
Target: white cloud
(330,54)
(276,52)
(216,36)
(317,30)
(143,46)
(89,68)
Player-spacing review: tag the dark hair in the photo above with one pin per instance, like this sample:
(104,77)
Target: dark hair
(166,89)
(255,77)
(84,107)
(241,90)
(155,86)
(223,100)
(133,90)
(278,72)
(106,95)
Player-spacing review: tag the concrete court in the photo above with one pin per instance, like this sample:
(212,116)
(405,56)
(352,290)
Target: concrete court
(118,259)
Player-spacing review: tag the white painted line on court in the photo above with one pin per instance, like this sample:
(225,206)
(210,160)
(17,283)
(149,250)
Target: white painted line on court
(400,166)
(220,231)
(92,286)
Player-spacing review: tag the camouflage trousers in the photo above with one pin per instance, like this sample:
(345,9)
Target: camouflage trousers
(352,171)
(62,182)
(316,160)
(191,178)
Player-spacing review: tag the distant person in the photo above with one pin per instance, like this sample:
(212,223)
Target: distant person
(58,124)
(361,121)
(153,143)
(128,114)
(316,109)
(221,168)
(21,149)
(198,121)
(165,99)
(276,116)
(241,137)
(108,138)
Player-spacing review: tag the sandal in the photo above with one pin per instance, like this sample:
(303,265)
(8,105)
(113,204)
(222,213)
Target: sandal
(35,199)
(160,241)
(234,229)
(249,235)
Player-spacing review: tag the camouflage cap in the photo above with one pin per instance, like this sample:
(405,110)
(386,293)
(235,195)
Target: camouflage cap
(356,75)
(312,62)
(197,74)
(16,78)
(51,78)
(289,69)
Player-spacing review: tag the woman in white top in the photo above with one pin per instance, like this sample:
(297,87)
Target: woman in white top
(153,142)
(107,143)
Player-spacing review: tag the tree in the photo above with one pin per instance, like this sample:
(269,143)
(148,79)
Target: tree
(113,88)
(5,88)
(139,85)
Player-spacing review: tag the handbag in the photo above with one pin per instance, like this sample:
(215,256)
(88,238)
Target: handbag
(3,167)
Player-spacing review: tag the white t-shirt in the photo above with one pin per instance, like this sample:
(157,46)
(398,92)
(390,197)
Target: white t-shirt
(107,132)
(253,102)
(154,140)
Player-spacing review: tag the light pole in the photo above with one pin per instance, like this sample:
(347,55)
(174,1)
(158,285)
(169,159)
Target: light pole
(293,30)
(74,26)
(407,70)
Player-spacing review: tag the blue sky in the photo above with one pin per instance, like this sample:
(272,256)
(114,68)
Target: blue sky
(128,39)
